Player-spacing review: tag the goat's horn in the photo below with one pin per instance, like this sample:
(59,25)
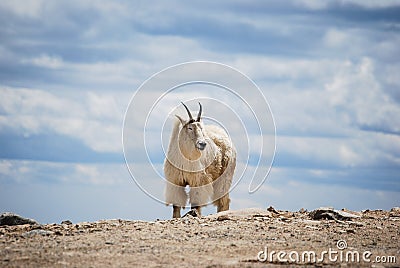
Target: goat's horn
(190,115)
(199,115)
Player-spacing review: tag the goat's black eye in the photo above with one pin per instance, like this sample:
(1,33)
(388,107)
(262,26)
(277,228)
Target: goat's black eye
(190,128)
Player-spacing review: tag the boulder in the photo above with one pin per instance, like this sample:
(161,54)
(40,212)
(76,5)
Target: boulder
(8,218)
(330,213)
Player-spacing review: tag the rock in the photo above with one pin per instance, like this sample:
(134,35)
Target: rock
(312,222)
(395,212)
(284,219)
(302,210)
(37,232)
(67,222)
(271,209)
(9,218)
(193,213)
(241,214)
(223,218)
(330,213)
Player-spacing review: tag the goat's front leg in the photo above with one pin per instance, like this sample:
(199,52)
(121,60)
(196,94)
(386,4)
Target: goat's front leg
(176,212)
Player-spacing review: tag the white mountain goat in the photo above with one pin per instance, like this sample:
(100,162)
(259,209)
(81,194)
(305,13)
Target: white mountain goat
(201,157)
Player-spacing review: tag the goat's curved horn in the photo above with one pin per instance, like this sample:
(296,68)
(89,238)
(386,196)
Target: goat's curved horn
(199,115)
(187,109)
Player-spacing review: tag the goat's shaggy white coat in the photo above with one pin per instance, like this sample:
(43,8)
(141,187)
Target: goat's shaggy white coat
(207,172)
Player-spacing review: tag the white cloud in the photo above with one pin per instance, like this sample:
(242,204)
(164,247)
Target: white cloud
(94,118)
(335,38)
(360,42)
(372,3)
(266,188)
(103,106)
(95,174)
(39,172)
(364,150)
(313,5)
(29,8)
(320,5)
(356,91)
(321,123)
(346,96)
(46,61)
(5,167)
(265,67)
(240,203)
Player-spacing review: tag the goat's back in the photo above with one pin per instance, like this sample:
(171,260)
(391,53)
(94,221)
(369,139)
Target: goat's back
(227,155)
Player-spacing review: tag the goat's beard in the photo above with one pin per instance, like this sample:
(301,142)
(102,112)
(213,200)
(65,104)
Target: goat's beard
(190,152)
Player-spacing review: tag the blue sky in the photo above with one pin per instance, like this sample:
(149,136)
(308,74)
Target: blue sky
(329,70)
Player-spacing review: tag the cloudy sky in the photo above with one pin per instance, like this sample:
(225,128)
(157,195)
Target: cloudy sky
(329,70)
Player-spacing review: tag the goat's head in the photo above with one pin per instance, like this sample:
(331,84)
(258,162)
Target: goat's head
(192,137)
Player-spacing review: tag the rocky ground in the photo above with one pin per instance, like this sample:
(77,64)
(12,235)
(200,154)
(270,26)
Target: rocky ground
(244,238)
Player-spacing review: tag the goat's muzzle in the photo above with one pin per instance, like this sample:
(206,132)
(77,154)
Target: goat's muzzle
(201,145)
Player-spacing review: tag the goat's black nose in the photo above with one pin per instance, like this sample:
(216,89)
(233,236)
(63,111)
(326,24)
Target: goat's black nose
(201,145)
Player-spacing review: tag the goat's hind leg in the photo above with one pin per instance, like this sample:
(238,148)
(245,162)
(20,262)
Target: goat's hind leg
(221,194)
(222,203)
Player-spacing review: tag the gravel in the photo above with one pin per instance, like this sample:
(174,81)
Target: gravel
(227,239)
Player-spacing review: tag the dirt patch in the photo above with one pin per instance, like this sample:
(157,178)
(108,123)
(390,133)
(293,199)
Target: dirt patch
(227,239)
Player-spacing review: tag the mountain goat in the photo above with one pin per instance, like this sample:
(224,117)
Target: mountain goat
(201,157)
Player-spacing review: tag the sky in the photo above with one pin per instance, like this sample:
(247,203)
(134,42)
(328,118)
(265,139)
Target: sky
(68,69)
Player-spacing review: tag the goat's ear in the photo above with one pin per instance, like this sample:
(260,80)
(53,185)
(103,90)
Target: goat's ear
(181,120)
